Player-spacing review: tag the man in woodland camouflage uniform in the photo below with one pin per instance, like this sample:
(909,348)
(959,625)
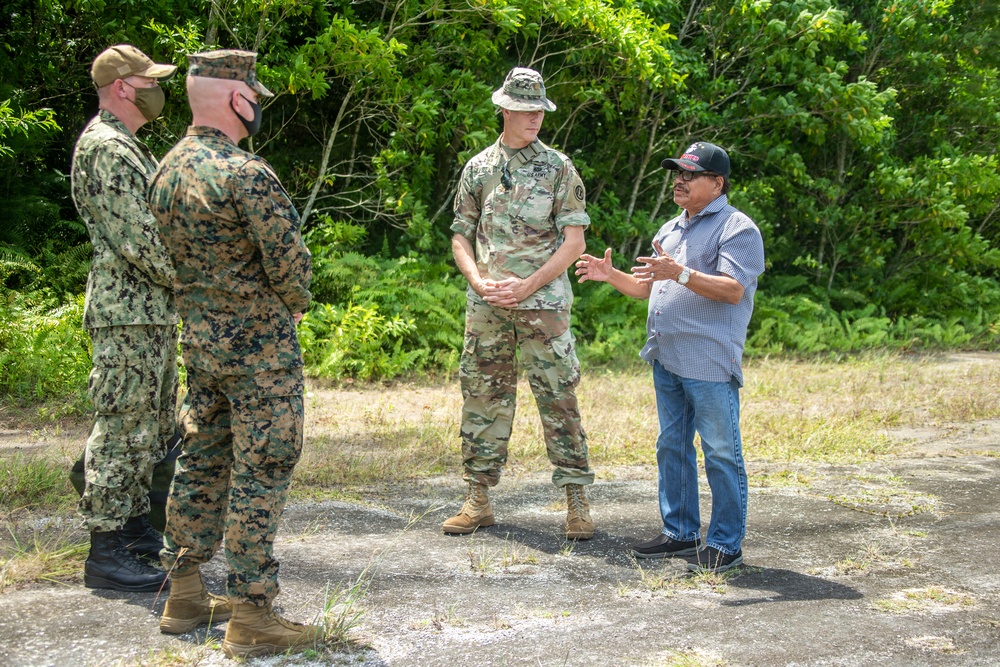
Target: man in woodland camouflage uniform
(243,274)
(129,312)
(519,224)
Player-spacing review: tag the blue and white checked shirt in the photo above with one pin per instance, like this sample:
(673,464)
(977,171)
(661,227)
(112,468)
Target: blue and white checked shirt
(695,337)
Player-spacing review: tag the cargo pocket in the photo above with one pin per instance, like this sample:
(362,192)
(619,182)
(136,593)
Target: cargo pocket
(565,352)
(469,372)
(274,418)
(556,365)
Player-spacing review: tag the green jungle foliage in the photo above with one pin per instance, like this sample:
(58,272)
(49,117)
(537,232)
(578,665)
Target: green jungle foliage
(44,352)
(863,136)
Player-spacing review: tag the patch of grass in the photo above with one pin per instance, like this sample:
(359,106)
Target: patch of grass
(691,659)
(877,556)
(935,644)
(667,581)
(303,490)
(34,482)
(501,623)
(789,437)
(55,558)
(872,557)
(884,495)
(505,559)
(923,599)
(372,436)
(342,610)
(716,582)
(167,657)
(440,620)
(779,479)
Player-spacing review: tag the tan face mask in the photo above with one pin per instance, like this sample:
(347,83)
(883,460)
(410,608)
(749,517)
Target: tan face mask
(149,101)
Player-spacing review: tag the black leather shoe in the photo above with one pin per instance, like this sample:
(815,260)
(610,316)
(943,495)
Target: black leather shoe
(711,559)
(664,547)
(111,565)
(141,539)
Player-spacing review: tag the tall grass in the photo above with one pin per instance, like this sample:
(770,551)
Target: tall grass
(35,482)
(44,353)
(792,411)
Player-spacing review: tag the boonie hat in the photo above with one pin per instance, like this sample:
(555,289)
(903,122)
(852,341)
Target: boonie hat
(228,64)
(523,90)
(701,156)
(124,60)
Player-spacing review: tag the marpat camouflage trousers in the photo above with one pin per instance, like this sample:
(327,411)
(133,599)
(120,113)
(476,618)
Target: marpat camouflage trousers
(133,388)
(243,437)
(488,373)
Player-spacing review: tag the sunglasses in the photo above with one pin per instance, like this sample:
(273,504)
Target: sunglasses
(505,178)
(688,176)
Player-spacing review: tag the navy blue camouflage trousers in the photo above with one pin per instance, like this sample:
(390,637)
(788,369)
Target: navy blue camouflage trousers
(133,388)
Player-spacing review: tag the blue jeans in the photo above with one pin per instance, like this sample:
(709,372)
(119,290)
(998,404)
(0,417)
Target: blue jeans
(713,410)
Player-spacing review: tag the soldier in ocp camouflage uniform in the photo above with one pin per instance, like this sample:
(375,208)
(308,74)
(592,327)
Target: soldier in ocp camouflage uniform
(243,275)
(519,224)
(129,312)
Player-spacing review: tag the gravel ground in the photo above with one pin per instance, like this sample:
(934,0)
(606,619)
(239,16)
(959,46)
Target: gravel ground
(886,563)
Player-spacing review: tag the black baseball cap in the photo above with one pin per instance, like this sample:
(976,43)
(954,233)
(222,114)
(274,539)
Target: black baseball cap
(701,156)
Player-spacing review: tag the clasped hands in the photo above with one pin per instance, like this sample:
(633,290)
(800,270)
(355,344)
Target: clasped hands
(506,293)
(647,271)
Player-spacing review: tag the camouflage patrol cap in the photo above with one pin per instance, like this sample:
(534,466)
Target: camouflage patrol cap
(228,64)
(124,60)
(523,90)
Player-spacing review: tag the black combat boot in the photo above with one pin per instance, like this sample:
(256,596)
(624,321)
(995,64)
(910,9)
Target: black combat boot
(141,539)
(110,565)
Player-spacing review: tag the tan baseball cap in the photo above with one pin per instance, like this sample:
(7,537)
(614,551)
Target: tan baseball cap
(228,64)
(124,60)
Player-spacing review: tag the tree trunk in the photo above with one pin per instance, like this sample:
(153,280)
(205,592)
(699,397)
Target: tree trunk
(325,160)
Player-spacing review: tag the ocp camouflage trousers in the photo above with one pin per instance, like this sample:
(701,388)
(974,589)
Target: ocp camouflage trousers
(488,373)
(243,437)
(133,388)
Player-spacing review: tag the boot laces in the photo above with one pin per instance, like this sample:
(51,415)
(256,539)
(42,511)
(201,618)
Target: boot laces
(284,622)
(575,499)
(128,561)
(477,496)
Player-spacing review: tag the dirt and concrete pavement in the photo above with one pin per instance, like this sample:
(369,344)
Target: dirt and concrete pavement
(890,563)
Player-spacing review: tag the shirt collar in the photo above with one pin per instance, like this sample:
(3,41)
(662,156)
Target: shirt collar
(206,131)
(713,207)
(111,119)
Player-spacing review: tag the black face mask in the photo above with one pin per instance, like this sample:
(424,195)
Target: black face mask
(252,126)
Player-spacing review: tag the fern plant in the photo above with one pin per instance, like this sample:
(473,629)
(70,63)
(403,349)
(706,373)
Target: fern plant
(44,352)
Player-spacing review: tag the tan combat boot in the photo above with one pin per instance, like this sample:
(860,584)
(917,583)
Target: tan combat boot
(190,605)
(254,630)
(476,512)
(579,525)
